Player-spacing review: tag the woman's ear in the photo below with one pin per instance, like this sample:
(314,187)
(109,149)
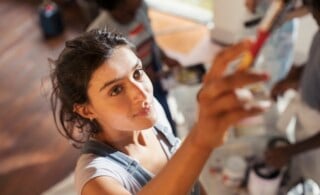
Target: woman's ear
(84,111)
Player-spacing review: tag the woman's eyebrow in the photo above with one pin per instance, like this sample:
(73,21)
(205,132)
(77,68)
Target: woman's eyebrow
(109,83)
(138,64)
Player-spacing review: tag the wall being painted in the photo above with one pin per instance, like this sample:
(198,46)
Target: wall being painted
(229,16)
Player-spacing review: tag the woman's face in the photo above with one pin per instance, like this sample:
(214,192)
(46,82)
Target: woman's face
(121,94)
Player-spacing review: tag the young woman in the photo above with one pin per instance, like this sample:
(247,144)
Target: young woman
(103,99)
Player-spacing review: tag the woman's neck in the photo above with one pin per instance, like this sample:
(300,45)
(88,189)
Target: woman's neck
(122,140)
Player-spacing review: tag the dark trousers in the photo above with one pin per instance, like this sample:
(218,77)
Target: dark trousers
(161,96)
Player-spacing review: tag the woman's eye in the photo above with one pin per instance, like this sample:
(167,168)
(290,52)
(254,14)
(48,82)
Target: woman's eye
(116,90)
(137,74)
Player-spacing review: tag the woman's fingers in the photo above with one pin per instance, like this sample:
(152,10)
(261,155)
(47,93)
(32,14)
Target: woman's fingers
(218,87)
(221,104)
(223,59)
(237,115)
(237,99)
(226,103)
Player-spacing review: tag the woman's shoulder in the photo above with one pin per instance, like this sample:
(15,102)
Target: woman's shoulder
(97,157)
(90,166)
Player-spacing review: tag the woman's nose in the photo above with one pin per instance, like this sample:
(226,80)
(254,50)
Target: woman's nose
(137,91)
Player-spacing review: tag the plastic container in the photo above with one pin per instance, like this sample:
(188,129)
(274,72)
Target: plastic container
(187,75)
(264,180)
(233,172)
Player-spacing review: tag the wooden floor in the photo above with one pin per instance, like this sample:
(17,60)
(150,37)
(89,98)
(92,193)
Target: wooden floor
(33,156)
(176,34)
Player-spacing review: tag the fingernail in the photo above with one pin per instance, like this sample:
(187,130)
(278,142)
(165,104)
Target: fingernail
(243,95)
(265,76)
(261,73)
(261,104)
(247,42)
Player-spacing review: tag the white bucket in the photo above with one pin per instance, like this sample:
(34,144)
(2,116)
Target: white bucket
(262,181)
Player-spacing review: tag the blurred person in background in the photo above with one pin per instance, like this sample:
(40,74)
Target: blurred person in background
(304,153)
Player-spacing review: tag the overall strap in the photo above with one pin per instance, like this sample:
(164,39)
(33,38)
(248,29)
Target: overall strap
(175,143)
(130,165)
(166,132)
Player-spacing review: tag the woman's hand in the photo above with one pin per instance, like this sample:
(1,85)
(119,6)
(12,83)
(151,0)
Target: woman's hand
(279,156)
(219,106)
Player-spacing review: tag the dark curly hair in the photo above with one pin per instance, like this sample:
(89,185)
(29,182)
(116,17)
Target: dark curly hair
(109,4)
(70,75)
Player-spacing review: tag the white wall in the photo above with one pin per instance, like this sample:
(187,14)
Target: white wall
(229,16)
(306,30)
(182,9)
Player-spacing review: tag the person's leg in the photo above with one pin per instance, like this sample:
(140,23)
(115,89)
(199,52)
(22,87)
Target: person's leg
(161,96)
(294,176)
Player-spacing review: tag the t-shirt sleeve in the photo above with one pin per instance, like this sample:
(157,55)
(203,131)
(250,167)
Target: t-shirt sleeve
(90,166)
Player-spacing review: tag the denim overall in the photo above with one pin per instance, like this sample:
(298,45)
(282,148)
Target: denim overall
(132,166)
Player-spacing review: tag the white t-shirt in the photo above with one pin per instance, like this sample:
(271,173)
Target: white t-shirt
(307,125)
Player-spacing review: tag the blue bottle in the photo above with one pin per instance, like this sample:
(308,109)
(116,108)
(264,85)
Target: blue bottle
(50,19)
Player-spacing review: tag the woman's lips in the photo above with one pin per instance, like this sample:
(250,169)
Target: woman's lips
(143,112)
